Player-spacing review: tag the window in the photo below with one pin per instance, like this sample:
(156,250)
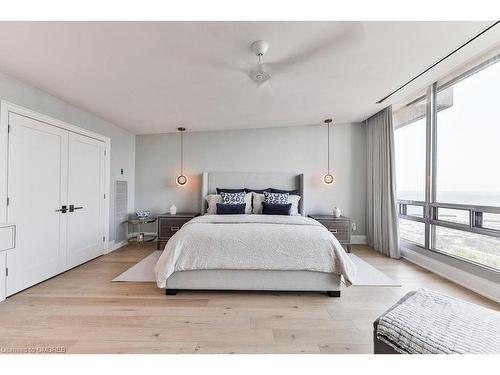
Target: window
(409,139)
(452,215)
(416,211)
(468,137)
(413,231)
(491,221)
(455,210)
(475,247)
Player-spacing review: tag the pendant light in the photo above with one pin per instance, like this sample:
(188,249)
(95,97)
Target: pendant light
(328,179)
(181,179)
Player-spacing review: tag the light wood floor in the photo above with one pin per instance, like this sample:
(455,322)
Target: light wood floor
(83,311)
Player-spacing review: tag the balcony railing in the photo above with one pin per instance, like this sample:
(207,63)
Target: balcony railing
(430,215)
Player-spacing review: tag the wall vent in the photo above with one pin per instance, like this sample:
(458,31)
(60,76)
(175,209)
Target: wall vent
(121,215)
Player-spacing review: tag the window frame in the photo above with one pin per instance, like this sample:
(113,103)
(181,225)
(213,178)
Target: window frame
(431,206)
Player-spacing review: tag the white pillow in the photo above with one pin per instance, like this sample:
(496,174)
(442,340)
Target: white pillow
(259,198)
(248,203)
(294,200)
(257,203)
(213,199)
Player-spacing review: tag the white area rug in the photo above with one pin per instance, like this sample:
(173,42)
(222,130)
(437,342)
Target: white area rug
(142,271)
(366,274)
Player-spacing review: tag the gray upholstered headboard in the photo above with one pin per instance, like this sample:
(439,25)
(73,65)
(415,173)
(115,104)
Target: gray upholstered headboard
(235,180)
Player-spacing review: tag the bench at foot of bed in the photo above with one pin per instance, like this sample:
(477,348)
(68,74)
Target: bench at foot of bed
(427,322)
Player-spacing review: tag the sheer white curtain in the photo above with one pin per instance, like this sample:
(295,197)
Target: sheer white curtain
(381,209)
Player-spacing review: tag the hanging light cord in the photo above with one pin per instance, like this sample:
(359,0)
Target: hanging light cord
(328,148)
(182,153)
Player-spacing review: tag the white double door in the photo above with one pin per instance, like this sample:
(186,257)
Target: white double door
(56,198)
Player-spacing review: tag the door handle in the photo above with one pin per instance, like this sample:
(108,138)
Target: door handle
(73,208)
(62,210)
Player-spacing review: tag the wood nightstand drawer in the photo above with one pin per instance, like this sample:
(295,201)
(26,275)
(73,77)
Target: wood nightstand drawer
(167,227)
(340,227)
(341,235)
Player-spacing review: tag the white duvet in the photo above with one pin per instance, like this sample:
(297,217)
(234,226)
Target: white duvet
(253,242)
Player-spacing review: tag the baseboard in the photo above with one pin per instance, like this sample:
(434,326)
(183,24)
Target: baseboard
(116,245)
(358,240)
(486,288)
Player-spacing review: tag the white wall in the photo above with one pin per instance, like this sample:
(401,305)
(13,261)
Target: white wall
(122,141)
(295,150)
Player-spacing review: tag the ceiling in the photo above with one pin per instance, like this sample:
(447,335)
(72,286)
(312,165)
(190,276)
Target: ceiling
(151,77)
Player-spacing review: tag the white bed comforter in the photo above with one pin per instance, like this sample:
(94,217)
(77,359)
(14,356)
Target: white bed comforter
(253,242)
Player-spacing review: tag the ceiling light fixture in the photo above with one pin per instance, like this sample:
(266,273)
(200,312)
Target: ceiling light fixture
(328,179)
(181,179)
(259,47)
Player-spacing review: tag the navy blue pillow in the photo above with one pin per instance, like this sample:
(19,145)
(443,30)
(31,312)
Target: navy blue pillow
(230,209)
(290,192)
(221,190)
(257,191)
(276,209)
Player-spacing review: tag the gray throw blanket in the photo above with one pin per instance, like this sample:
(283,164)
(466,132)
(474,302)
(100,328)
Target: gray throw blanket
(433,323)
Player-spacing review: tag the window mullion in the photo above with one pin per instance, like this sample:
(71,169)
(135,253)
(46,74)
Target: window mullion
(430,193)
(433,158)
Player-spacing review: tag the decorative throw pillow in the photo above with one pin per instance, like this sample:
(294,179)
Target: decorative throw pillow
(233,198)
(222,190)
(248,202)
(257,200)
(290,192)
(276,209)
(294,200)
(276,198)
(230,209)
(212,200)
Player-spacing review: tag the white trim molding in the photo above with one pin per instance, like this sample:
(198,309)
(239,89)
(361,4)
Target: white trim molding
(116,245)
(486,288)
(358,240)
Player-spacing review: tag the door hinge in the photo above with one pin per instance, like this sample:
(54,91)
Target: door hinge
(104,196)
(103,239)
(7,271)
(8,201)
(8,128)
(105,152)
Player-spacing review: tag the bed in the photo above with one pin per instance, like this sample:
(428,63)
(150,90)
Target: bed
(253,252)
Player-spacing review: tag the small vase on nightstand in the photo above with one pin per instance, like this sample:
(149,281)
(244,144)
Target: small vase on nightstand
(173,209)
(337,212)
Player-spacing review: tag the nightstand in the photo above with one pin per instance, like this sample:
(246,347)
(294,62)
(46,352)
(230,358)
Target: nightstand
(169,224)
(340,227)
